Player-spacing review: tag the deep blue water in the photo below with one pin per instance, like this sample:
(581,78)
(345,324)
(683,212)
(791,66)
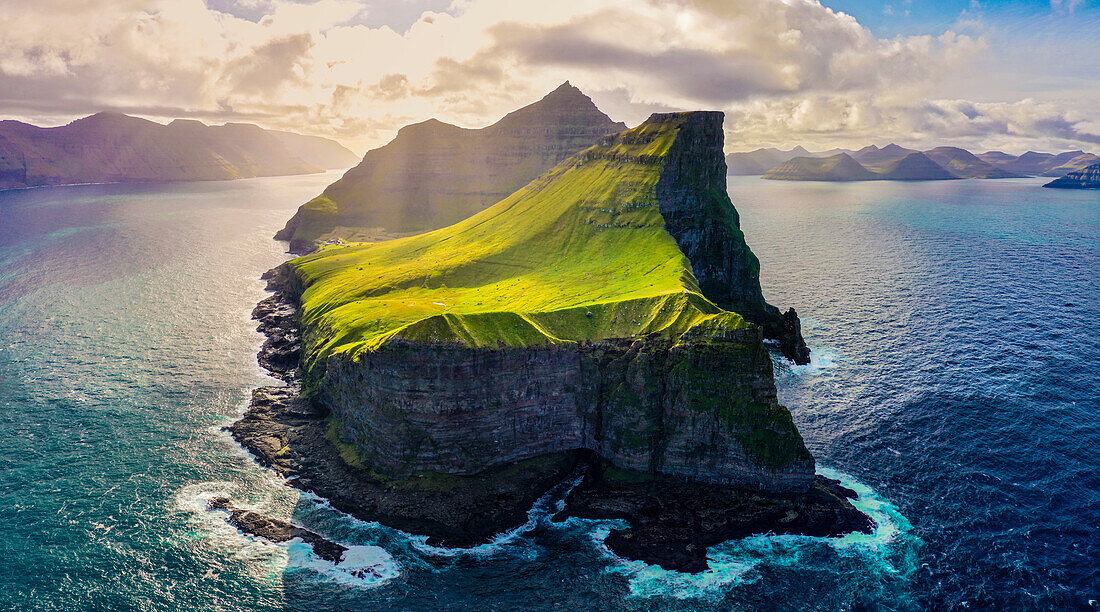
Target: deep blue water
(955,335)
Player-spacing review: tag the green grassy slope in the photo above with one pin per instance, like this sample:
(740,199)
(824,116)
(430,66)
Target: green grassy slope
(579,254)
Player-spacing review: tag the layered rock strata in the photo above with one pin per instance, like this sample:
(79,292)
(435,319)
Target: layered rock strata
(672,520)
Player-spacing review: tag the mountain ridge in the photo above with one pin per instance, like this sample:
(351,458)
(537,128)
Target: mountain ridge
(433,174)
(115,147)
(957,161)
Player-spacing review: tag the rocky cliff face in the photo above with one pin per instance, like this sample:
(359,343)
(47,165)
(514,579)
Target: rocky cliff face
(110,147)
(1088,178)
(434,174)
(671,520)
(645,405)
(697,210)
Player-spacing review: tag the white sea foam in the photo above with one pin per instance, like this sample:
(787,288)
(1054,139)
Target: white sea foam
(362,565)
(258,555)
(821,360)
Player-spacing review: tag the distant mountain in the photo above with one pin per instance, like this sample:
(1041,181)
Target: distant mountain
(1086,178)
(995,157)
(761,160)
(872,156)
(323,152)
(915,166)
(883,163)
(839,167)
(112,147)
(1080,162)
(964,164)
(434,174)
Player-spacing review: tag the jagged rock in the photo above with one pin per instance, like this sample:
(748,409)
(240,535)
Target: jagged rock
(254,523)
(673,522)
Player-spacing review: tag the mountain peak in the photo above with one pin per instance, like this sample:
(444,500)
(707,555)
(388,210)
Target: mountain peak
(566,105)
(566,93)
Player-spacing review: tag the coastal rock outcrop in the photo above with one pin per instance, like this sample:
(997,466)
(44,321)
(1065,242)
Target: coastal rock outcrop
(414,348)
(692,199)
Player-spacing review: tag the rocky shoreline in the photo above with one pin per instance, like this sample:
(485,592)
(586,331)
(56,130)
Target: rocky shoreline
(673,521)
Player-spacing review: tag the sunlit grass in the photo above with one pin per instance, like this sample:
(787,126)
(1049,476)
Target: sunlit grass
(580,254)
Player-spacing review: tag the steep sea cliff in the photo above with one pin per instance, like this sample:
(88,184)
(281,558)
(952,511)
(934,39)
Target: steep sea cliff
(469,406)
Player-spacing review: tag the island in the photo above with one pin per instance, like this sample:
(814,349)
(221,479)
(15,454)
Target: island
(116,148)
(1088,178)
(913,166)
(434,174)
(894,162)
(604,323)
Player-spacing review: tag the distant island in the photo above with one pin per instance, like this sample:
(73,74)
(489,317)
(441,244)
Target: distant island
(118,148)
(894,162)
(1087,178)
(434,174)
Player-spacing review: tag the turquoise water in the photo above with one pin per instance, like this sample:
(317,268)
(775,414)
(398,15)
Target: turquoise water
(952,386)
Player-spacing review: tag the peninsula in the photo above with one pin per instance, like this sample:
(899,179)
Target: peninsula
(1088,178)
(441,383)
(117,148)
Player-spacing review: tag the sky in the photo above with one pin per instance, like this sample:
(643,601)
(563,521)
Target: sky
(982,74)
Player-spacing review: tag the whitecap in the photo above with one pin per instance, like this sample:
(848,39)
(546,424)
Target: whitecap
(821,360)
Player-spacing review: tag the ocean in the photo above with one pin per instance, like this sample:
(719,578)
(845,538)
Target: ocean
(955,329)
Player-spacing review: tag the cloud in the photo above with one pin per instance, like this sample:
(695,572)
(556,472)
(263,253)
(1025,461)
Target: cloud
(1065,6)
(781,69)
(827,121)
